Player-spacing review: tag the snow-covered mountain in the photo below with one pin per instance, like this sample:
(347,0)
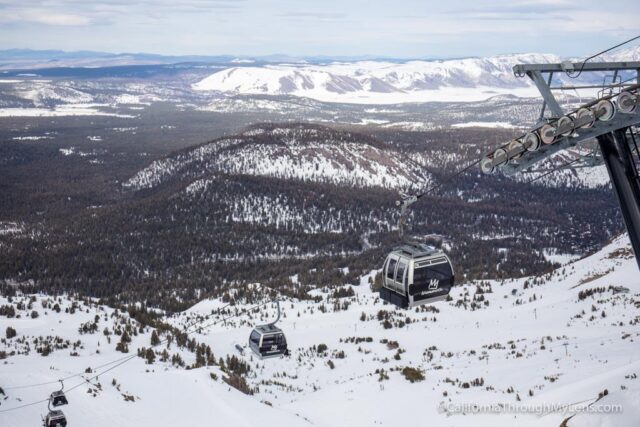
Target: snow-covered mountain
(380,82)
(567,339)
(290,151)
(468,79)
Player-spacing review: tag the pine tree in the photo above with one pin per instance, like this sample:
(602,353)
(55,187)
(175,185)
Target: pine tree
(150,355)
(11,332)
(155,340)
(125,338)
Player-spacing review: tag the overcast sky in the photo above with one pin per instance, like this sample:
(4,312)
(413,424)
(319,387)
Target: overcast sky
(393,28)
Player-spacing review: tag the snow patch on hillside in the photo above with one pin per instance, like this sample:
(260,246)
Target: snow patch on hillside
(62,110)
(289,153)
(584,177)
(501,125)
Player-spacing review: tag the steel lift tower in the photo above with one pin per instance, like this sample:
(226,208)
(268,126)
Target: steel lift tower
(611,119)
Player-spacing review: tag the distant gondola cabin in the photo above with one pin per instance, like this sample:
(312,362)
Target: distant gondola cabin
(55,419)
(268,341)
(58,398)
(416,274)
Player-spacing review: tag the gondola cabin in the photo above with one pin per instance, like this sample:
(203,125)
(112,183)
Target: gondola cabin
(268,341)
(55,419)
(416,274)
(58,398)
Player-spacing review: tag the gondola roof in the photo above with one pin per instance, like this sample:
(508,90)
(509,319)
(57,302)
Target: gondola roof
(266,329)
(416,250)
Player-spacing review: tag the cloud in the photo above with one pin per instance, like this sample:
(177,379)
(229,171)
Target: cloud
(40,16)
(539,7)
(325,16)
(517,11)
(86,12)
(63,19)
(409,28)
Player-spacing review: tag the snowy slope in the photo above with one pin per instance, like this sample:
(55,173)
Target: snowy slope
(514,342)
(161,395)
(498,345)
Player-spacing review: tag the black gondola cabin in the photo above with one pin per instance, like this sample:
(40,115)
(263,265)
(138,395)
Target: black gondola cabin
(416,274)
(268,341)
(55,419)
(58,398)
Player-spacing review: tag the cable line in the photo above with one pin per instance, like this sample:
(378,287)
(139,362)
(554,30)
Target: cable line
(576,75)
(562,166)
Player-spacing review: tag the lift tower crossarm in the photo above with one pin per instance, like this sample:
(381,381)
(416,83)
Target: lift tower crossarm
(522,69)
(609,119)
(535,73)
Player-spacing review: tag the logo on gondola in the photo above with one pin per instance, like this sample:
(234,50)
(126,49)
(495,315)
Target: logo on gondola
(433,284)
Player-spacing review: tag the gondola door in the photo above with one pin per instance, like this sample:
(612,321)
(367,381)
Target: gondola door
(390,272)
(395,274)
(401,277)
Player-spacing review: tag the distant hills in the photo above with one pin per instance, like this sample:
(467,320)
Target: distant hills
(23,59)
(386,82)
(382,82)
(353,80)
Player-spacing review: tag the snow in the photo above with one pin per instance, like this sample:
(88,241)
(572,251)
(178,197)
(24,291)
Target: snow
(42,92)
(31,138)
(411,126)
(61,110)
(513,342)
(69,151)
(318,160)
(231,105)
(7,228)
(502,125)
(128,98)
(385,82)
(552,255)
(187,397)
(380,82)
(586,177)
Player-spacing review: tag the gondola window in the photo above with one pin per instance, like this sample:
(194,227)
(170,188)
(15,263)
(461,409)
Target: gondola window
(422,275)
(391,268)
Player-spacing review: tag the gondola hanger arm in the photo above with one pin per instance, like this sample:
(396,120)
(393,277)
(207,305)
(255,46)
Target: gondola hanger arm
(405,201)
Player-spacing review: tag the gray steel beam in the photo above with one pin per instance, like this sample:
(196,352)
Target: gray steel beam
(619,160)
(621,85)
(546,93)
(522,69)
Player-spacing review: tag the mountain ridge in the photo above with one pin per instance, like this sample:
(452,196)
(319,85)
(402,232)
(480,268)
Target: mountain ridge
(291,151)
(384,82)
(379,82)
